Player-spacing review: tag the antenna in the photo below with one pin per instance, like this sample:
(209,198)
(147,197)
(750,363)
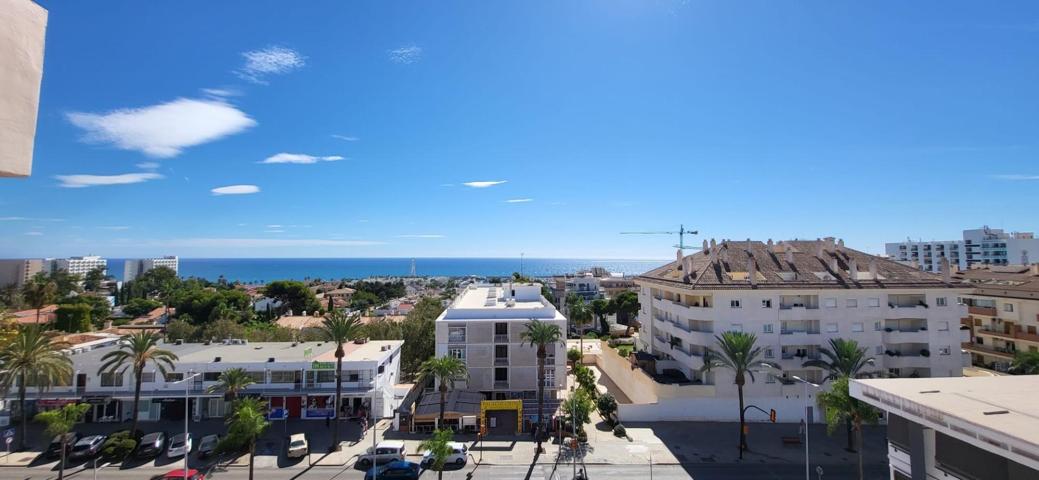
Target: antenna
(681,236)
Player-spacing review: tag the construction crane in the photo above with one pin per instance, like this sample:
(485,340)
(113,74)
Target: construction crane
(682,232)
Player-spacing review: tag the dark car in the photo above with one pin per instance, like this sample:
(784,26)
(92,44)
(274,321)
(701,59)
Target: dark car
(207,445)
(54,450)
(151,444)
(88,446)
(397,469)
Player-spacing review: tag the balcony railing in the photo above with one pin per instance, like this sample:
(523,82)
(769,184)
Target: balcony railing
(501,384)
(791,331)
(499,361)
(499,338)
(986,311)
(798,305)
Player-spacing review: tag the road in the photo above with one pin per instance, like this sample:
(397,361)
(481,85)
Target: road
(472,471)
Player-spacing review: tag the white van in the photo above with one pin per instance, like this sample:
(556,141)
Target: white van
(385,451)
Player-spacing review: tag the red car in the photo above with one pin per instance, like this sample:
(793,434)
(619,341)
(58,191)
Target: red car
(178,474)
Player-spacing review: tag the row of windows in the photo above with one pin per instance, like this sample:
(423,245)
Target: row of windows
(849,303)
(833,327)
(277,377)
(878,350)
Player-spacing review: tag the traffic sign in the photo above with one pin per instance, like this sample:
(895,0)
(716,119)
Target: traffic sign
(9,433)
(8,440)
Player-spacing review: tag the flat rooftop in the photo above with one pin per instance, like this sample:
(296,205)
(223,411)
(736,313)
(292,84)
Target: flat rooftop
(492,297)
(509,301)
(260,352)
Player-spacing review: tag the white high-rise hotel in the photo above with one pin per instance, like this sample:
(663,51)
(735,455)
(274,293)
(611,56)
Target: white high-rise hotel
(980,246)
(795,296)
(137,266)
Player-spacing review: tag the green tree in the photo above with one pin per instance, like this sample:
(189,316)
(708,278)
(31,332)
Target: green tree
(573,357)
(540,335)
(180,330)
(586,380)
(600,308)
(626,306)
(232,382)
(59,423)
(135,353)
(340,328)
(362,301)
(1025,363)
(32,358)
(293,296)
(419,335)
(844,358)
(72,318)
(139,307)
(93,279)
(606,404)
(439,445)
(580,315)
(222,329)
(840,407)
(577,409)
(39,292)
(245,425)
(383,329)
(736,351)
(444,371)
(65,283)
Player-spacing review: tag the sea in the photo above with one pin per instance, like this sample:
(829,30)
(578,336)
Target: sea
(264,270)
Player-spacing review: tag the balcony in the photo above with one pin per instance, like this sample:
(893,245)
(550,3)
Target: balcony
(984,311)
(798,337)
(501,384)
(906,361)
(499,338)
(905,336)
(989,351)
(501,361)
(1017,334)
(798,313)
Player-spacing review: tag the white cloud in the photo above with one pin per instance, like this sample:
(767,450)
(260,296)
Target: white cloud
(166,129)
(300,158)
(1016,177)
(235,190)
(484,184)
(34,234)
(348,138)
(269,61)
(221,92)
(406,55)
(148,165)
(26,219)
(273,226)
(274,231)
(260,243)
(81,181)
(519,200)
(421,235)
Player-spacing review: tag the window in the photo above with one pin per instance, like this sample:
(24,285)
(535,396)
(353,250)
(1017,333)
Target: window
(769,353)
(831,327)
(326,376)
(879,350)
(852,303)
(830,302)
(735,304)
(110,379)
(550,377)
(766,328)
(944,350)
(1008,307)
(943,326)
(736,327)
(211,376)
(456,351)
(856,327)
(174,377)
(283,376)
(941,301)
(876,326)
(873,302)
(148,377)
(766,303)
(456,334)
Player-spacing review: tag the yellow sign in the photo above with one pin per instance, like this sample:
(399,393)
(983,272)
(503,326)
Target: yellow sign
(516,405)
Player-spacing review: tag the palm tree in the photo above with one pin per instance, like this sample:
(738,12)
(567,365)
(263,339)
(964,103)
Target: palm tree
(844,358)
(136,352)
(1025,363)
(340,328)
(580,314)
(444,371)
(32,357)
(840,407)
(246,424)
(736,352)
(440,446)
(232,382)
(540,334)
(39,292)
(59,423)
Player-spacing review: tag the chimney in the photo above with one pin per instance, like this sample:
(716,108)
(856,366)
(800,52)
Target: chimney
(687,268)
(833,264)
(713,244)
(873,269)
(946,272)
(820,251)
(678,257)
(769,244)
(840,245)
(1034,269)
(705,249)
(789,254)
(752,271)
(853,269)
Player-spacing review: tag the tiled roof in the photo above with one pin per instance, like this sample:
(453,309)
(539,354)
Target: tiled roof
(815,264)
(1003,281)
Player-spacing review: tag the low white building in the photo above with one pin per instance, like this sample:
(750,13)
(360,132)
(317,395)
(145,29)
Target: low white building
(77,265)
(135,267)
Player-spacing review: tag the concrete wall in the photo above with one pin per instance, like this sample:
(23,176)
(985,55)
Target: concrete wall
(21,48)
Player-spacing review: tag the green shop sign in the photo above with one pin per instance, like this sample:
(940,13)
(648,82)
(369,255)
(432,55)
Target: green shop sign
(323,366)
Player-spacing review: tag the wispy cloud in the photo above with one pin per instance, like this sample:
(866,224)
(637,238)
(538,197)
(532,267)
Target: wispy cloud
(346,138)
(259,64)
(34,233)
(221,92)
(519,200)
(30,219)
(421,235)
(273,226)
(235,190)
(447,184)
(484,183)
(163,130)
(274,230)
(1015,177)
(82,181)
(406,55)
(148,165)
(300,158)
(259,243)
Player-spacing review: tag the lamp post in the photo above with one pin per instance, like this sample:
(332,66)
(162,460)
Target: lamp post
(187,388)
(808,421)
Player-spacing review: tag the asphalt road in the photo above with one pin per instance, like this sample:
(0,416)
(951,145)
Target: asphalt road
(472,471)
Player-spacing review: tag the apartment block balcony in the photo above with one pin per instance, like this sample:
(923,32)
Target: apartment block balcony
(799,337)
(891,335)
(499,338)
(798,313)
(501,384)
(989,351)
(984,311)
(501,361)
(906,361)
(1015,334)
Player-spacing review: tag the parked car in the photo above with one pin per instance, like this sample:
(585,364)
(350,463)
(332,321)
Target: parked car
(178,474)
(152,444)
(385,451)
(54,450)
(397,469)
(207,445)
(459,455)
(87,447)
(297,446)
(180,445)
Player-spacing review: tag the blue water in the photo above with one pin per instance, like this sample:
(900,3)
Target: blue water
(262,270)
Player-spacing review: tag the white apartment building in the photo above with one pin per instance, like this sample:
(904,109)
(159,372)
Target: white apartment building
(979,246)
(1003,313)
(77,265)
(19,271)
(794,296)
(137,266)
(483,327)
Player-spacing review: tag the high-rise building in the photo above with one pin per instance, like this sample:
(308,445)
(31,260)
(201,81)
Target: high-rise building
(19,271)
(137,266)
(979,246)
(77,265)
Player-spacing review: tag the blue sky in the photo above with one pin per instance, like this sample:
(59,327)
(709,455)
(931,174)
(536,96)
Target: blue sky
(351,129)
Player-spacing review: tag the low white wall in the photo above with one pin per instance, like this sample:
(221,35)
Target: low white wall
(639,387)
(714,410)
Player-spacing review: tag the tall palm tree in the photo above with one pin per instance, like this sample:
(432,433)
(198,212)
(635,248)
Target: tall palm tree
(59,423)
(444,371)
(736,351)
(247,423)
(580,315)
(340,328)
(135,353)
(840,406)
(439,445)
(540,334)
(232,382)
(39,292)
(844,358)
(32,357)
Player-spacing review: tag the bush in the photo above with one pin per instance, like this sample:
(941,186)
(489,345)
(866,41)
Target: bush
(591,336)
(607,406)
(118,446)
(620,431)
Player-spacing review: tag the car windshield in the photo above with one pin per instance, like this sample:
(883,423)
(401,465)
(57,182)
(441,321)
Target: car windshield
(81,446)
(297,443)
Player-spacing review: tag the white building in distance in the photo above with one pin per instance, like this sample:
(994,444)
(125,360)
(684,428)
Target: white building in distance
(135,267)
(979,246)
(78,265)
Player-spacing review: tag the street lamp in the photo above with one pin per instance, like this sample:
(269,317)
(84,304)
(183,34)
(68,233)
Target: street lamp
(186,411)
(808,421)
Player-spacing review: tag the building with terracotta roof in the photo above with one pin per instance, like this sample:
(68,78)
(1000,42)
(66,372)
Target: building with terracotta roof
(1002,313)
(795,296)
